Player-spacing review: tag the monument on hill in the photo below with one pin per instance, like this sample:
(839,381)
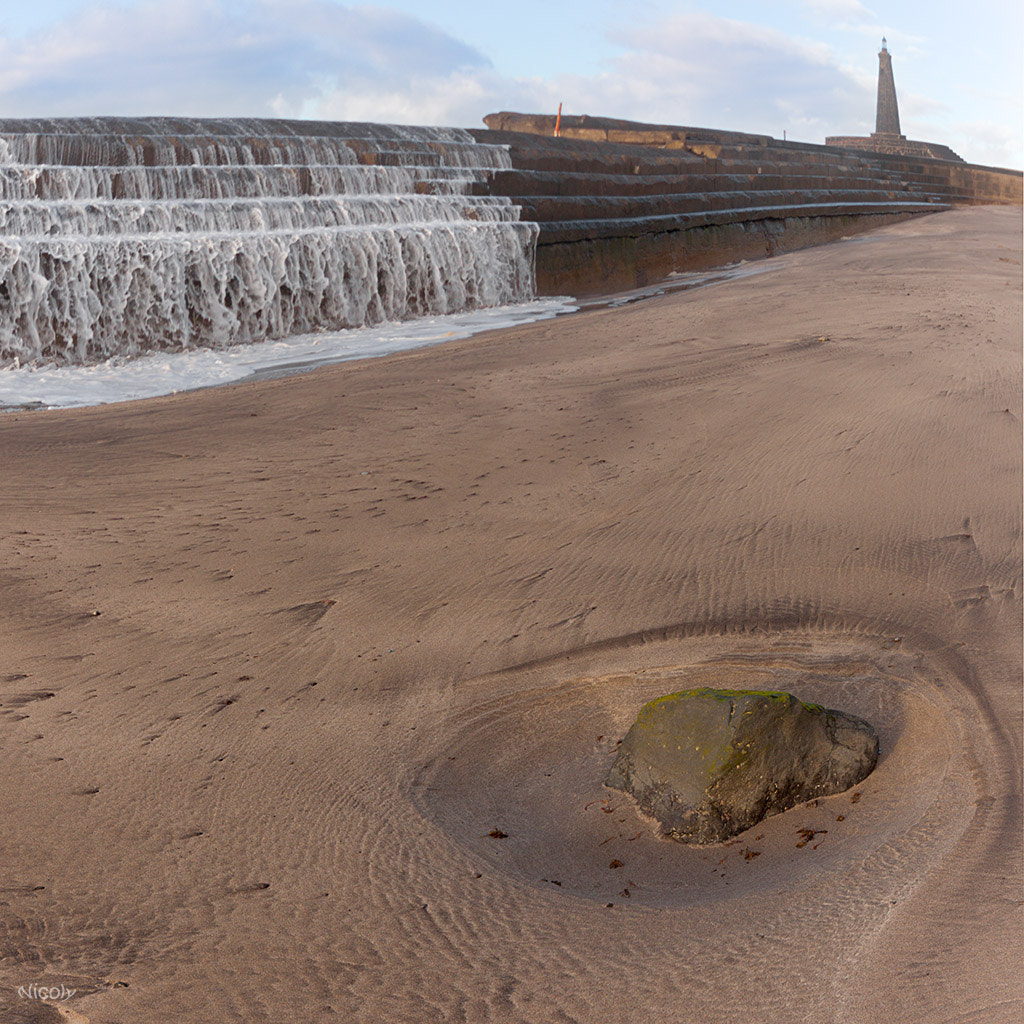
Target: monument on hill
(887,138)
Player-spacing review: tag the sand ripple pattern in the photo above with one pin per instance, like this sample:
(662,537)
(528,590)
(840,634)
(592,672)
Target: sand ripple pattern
(277,660)
(543,786)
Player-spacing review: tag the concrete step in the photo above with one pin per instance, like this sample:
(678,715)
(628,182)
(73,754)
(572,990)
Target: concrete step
(581,230)
(556,209)
(572,183)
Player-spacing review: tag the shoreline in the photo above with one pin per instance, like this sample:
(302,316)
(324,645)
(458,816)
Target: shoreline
(284,357)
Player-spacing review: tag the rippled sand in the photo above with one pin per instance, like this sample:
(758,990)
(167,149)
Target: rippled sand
(278,658)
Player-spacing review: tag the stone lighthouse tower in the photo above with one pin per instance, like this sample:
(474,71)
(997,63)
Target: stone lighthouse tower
(887,115)
(887,137)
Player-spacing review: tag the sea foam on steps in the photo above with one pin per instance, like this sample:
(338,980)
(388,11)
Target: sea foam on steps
(121,237)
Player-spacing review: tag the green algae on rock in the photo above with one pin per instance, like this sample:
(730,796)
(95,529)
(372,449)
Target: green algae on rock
(708,764)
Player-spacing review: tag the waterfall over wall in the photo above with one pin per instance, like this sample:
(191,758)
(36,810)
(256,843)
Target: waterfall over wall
(120,236)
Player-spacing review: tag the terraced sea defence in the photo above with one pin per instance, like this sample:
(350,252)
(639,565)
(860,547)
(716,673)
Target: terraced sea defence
(123,236)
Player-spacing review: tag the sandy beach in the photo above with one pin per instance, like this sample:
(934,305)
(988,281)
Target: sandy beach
(276,659)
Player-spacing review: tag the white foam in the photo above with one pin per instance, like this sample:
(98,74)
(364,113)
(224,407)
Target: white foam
(163,373)
(120,236)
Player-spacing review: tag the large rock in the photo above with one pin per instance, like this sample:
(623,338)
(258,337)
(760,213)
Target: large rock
(708,764)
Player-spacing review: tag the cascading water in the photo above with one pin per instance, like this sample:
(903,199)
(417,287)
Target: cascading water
(120,237)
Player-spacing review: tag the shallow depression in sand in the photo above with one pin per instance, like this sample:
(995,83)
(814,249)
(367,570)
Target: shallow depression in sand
(531,762)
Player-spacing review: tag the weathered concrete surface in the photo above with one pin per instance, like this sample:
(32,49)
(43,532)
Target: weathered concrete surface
(957,183)
(621,205)
(610,129)
(709,764)
(600,265)
(894,145)
(927,167)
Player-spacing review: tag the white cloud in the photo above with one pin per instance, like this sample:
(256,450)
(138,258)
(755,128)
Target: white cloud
(219,57)
(913,105)
(993,144)
(699,69)
(316,58)
(838,8)
(460,97)
(899,43)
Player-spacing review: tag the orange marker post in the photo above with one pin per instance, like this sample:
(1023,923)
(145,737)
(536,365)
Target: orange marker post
(558,121)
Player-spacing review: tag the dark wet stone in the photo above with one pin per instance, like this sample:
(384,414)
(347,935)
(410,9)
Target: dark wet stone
(708,764)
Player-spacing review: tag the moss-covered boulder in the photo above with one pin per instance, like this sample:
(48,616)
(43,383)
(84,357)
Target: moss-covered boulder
(708,764)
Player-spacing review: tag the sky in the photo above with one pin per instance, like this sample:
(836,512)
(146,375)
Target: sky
(806,68)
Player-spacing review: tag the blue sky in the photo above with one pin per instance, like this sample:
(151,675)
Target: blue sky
(806,67)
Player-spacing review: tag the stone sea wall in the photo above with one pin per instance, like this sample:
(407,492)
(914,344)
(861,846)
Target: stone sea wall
(893,145)
(622,204)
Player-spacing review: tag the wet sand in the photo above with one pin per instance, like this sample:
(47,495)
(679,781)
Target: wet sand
(278,657)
